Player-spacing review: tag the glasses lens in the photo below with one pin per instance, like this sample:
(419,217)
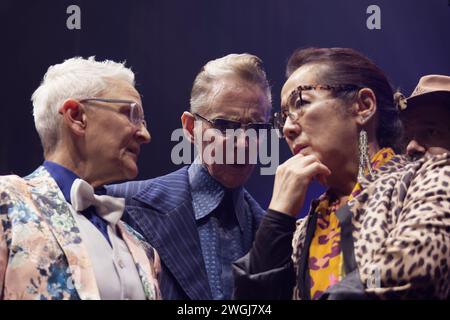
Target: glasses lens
(295,103)
(137,115)
(223,125)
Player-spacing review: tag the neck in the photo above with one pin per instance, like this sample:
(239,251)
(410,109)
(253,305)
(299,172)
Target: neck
(77,164)
(343,185)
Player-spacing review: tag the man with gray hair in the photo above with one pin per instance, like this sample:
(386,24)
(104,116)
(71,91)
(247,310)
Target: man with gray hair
(200,218)
(60,235)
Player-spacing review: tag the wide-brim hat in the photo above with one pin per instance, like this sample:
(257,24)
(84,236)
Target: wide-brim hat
(430,88)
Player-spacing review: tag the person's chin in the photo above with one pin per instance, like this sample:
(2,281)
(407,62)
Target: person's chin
(130,170)
(236,175)
(240,168)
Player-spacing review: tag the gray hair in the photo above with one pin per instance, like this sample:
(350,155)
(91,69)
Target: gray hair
(244,66)
(75,78)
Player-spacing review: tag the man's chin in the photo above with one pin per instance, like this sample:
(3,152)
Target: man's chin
(130,171)
(236,175)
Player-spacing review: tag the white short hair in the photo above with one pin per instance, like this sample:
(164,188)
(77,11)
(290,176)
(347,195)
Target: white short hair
(75,78)
(244,66)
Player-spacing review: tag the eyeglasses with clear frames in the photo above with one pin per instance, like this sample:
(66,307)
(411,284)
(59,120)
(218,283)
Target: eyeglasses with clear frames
(295,102)
(136,115)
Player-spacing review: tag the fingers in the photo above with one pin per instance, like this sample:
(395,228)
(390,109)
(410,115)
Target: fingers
(306,166)
(316,169)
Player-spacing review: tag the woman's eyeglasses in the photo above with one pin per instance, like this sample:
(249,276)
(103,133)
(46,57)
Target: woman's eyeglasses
(295,102)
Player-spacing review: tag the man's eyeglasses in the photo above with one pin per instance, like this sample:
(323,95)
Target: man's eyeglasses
(295,102)
(136,115)
(224,124)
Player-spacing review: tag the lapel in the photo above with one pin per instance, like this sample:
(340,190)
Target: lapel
(345,216)
(173,231)
(303,280)
(50,201)
(145,270)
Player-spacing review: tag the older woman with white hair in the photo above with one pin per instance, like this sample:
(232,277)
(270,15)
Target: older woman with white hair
(60,235)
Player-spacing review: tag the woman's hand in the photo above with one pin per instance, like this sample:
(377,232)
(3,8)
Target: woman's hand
(292,179)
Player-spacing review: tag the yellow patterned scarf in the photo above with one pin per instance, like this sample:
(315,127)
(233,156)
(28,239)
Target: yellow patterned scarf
(325,256)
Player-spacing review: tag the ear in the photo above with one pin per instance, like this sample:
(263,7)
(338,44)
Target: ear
(365,106)
(187,121)
(74,116)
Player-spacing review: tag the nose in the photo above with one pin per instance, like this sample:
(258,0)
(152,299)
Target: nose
(291,129)
(241,139)
(143,134)
(415,148)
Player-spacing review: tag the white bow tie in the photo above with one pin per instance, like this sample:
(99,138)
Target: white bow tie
(82,197)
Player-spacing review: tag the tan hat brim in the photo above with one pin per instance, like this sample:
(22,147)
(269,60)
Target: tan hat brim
(441,96)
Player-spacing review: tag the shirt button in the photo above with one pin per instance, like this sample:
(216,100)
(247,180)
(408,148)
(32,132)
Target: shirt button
(121,264)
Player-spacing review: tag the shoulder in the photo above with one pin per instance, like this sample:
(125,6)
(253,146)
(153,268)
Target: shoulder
(402,173)
(11,181)
(427,171)
(432,176)
(12,187)
(15,201)
(434,165)
(127,189)
(401,165)
(166,182)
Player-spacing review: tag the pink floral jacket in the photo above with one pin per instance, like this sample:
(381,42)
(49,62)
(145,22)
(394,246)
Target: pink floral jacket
(42,255)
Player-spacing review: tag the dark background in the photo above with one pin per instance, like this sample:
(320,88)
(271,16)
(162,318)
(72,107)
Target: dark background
(167,41)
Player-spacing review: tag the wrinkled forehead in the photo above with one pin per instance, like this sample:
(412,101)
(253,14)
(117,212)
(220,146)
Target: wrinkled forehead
(233,93)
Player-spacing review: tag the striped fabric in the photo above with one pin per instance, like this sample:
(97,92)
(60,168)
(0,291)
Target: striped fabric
(161,210)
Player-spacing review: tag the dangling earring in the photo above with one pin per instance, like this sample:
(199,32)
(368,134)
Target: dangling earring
(364,161)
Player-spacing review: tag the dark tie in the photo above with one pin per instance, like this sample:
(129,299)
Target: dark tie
(228,251)
(226,213)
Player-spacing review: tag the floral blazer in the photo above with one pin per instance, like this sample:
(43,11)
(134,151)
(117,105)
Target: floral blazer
(42,254)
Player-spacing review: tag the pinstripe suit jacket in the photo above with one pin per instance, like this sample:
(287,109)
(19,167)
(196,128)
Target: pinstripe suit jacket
(161,209)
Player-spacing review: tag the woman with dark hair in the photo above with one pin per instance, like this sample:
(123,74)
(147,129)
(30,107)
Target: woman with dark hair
(382,228)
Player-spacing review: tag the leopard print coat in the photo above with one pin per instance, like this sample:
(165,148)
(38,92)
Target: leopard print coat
(400,230)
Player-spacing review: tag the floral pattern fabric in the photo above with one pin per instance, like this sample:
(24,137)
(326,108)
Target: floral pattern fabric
(42,254)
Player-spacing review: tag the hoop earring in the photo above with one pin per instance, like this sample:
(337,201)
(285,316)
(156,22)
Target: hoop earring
(364,161)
